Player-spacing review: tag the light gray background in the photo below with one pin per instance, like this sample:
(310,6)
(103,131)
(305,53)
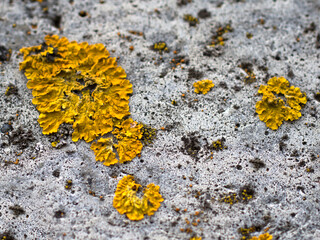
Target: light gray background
(286,196)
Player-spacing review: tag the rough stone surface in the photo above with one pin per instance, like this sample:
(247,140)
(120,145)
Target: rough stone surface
(280,168)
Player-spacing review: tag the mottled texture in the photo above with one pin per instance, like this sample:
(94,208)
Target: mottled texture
(66,194)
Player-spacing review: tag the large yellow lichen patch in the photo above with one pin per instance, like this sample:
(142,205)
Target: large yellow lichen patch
(80,84)
(272,109)
(127,202)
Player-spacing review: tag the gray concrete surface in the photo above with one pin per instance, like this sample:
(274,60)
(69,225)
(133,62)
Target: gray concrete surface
(281,168)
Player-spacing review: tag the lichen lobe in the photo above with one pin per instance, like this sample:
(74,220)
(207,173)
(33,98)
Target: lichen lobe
(127,202)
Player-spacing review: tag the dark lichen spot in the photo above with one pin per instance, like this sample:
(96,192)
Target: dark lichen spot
(17,210)
(59,214)
(4,54)
(277,57)
(257,163)
(318,41)
(21,137)
(56,173)
(56,21)
(83,14)
(183,2)
(6,128)
(236,88)
(194,74)
(317,96)
(311,28)
(290,73)
(295,153)
(163,73)
(149,134)
(238,167)
(191,145)
(223,85)
(203,13)
(11,90)
(6,236)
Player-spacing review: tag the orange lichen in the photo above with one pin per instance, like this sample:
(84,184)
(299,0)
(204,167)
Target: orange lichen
(80,84)
(127,202)
(203,86)
(273,110)
(265,236)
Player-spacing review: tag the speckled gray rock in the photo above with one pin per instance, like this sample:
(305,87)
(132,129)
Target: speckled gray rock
(279,168)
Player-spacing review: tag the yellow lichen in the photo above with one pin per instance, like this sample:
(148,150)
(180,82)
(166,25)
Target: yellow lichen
(77,84)
(55,143)
(128,134)
(160,47)
(203,86)
(218,37)
(196,238)
(193,21)
(272,109)
(264,236)
(127,202)
(104,151)
(80,84)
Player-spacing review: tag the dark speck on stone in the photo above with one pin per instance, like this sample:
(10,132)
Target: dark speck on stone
(6,128)
(203,13)
(4,54)
(17,210)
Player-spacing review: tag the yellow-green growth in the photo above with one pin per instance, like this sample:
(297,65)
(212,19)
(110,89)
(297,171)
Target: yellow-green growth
(160,47)
(193,21)
(149,134)
(230,199)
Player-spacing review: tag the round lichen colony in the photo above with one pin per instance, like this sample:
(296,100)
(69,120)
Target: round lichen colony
(273,110)
(127,202)
(203,86)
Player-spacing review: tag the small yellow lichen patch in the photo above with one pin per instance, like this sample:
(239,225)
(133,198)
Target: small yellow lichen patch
(196,238)
(193,21)
(54,144)
(203,86)
(273,110)
(160,47)
(265,236)
(127,202)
